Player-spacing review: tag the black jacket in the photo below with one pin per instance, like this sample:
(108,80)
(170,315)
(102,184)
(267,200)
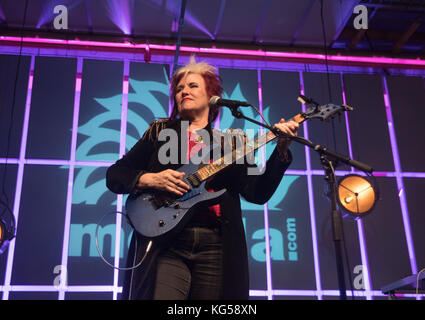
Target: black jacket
(122,177)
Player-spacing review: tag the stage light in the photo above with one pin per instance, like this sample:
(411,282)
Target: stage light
(357,196)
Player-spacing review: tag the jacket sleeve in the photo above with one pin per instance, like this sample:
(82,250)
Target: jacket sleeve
(259,188)
(124,174)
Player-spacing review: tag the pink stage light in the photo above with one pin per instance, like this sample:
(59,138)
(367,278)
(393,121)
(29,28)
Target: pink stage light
(311,57)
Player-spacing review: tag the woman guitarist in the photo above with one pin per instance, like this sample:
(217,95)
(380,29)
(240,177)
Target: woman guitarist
(208,259)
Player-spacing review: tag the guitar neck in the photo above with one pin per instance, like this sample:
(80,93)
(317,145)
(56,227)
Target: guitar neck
(238,154)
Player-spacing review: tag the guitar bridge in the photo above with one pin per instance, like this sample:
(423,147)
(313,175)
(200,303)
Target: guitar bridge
(157,202)
(160,200)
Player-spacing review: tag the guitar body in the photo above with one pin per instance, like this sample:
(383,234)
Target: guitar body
(160,215)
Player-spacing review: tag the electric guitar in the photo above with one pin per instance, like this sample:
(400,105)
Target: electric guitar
(159,215)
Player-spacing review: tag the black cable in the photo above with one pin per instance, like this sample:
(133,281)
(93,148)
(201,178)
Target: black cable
(179,35)
(148,248)
(6,203)
(325,47)
(334,139)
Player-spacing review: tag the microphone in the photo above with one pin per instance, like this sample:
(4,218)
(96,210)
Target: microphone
(217,101)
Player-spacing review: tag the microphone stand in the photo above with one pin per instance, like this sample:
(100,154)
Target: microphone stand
(329,160)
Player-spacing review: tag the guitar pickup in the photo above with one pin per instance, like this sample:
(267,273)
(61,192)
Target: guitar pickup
(194,181)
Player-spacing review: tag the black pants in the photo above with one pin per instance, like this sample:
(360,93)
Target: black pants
(192,267)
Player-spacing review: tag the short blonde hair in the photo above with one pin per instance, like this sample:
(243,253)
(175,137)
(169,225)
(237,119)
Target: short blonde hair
(195,67)
(212,83)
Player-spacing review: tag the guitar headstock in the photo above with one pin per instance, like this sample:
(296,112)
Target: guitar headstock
(325,111)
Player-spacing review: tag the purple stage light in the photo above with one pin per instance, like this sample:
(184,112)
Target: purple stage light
(47,12)
(120,13)
(413,174)
(360,228)
(57,162)
(219,18)
(313,58)
(311,200)
(20,176)
(119,207)
(252,293)
(9,160)
(124,108)
(65,244)
(399,179)
(94,163)
(50,288)
(173,8)
(47,162)
(266,209)
(383,174)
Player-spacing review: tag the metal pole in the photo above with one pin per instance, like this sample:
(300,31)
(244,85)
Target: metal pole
(179,35)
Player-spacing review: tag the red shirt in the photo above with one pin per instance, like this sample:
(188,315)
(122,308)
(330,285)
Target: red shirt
(195,144)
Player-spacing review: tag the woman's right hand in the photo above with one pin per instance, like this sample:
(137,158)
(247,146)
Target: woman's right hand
(167,180)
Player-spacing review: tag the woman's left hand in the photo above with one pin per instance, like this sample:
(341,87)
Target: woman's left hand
(291,128)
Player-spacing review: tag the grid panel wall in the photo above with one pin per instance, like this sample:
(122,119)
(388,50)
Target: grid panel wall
(277,265)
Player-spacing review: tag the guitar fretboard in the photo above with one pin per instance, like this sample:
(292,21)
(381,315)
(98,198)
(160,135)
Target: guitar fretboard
(239,154)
